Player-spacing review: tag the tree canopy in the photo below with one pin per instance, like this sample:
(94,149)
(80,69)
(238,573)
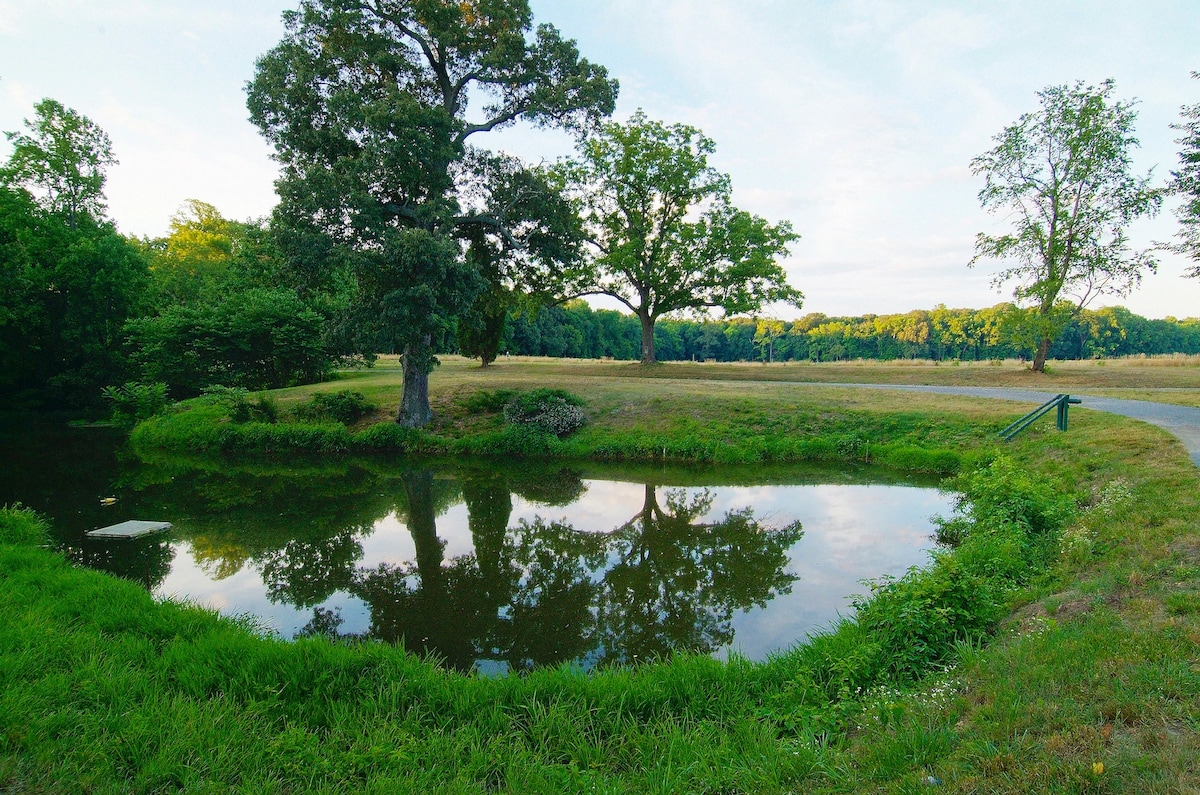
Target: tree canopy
(68,281)
(1064,174)
(367,105)
(61,160)
(1186,183)
(664,232)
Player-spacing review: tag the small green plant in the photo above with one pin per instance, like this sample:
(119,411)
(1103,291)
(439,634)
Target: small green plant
(21,526)
(236,401)
(554,411)
(134,402)
(489,401)
(345,406)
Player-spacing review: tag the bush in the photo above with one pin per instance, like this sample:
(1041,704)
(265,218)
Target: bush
(135,402)
(554,411)
(344,406)
(236,401)
(487,401)
(258,339)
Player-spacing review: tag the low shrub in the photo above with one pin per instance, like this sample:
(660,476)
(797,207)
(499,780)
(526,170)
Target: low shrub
(134,402)
(517,441)
(554,411)
(396,437)
(238,405)
(488,401)
(345,406)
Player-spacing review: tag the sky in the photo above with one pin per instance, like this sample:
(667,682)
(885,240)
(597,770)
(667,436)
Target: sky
(854,120)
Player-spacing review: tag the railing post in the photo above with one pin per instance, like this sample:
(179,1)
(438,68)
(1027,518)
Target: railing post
(1059,402)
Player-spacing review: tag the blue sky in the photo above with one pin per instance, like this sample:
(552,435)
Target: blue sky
(856,120)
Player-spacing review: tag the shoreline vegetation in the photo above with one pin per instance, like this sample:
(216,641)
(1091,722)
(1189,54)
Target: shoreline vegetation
(1049,645)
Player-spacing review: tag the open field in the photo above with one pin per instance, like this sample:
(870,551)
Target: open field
(1178,375)
(1089,682)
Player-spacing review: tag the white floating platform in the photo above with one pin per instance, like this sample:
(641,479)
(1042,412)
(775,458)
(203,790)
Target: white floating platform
(134,528)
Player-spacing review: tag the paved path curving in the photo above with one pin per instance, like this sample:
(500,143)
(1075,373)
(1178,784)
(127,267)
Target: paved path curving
(1183,422)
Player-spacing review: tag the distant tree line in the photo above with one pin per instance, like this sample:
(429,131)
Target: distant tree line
(576,330)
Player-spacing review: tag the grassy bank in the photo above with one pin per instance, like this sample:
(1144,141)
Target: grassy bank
(699,415)
(1053,648)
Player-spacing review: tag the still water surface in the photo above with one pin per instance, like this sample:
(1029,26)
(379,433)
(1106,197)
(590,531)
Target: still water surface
(487,566)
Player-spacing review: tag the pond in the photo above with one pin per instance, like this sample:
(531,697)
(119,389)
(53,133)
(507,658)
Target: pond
(486,566)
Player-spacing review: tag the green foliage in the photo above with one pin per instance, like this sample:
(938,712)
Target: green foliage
(382,91)
(256,339)
(65,294)
(238,406)
(1000,495)
(61,160)
(22,527)
(488,401)
(134,402)
(207,257)
(345,406)
(1065,174)
(1185,182)
(553,411)
(517,441)
(639,186)
(575,330)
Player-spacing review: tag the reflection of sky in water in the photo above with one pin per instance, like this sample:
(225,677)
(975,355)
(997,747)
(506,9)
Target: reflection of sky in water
(851,533)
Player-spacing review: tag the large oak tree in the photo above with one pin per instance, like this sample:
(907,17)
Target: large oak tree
(367,104)
(665,234)
(1064,175)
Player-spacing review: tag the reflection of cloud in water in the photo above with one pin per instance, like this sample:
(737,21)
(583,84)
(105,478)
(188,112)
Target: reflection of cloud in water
(845,542)
(236,594)
(605,505)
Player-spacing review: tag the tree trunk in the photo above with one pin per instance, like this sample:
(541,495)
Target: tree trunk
(414,403)
(1039,358)
(647,339)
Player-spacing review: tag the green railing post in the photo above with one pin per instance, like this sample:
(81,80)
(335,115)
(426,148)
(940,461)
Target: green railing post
(1060,402)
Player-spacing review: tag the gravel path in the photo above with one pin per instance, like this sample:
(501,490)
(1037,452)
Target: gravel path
(1183,422)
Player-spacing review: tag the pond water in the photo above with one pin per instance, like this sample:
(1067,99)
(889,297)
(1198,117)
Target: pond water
(489,567)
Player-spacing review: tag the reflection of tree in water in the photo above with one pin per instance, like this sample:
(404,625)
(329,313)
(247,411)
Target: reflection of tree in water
(521,598)
(300,526)
(536,593)
(144,560)
(543,593)
(677,581)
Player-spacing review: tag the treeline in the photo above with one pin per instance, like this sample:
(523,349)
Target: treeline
(576,330)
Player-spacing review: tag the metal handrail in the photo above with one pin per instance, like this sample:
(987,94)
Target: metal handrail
(1059,401)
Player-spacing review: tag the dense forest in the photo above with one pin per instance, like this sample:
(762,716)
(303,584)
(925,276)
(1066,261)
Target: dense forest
(576,330)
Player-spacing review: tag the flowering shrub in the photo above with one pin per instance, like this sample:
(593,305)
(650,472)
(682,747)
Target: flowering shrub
(554,411)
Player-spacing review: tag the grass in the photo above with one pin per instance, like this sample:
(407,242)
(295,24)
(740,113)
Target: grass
(1054,650)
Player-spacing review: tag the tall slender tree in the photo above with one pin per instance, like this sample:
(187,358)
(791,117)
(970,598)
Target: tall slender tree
(1064,174)
(367,105)
(1186,183)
